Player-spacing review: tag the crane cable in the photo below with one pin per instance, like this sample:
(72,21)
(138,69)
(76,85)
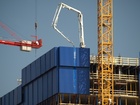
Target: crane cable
(35,24)
(36,18)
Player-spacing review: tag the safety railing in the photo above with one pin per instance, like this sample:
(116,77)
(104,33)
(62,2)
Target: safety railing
(117,92)
(124,61)
(124,77)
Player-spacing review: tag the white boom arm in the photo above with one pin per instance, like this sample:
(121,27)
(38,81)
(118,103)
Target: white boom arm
(80,17)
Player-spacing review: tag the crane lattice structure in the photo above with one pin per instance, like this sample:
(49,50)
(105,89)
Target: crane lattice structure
(105,52)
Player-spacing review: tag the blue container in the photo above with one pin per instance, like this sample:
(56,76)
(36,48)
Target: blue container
(39,83)
(45,86)
(66,56)
(84,57)
(19,94)
(48,59)
(83,80)
(71,56)
(12,98)
(54,57)
(37,67)
(30,88)
(0,101)
(35,93)
(60,70)
(7,99)
(28,74)
(23,76)
(3,100)
(55,80)
(26,95)
(50,83)
(43,63)
(67,80)
(33,70)
(15,96)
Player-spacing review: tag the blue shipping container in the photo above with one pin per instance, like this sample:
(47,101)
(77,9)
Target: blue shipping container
(12,98)
(45,86)
(19,94)
(71,56)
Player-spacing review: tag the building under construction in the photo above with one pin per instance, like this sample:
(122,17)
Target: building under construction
(71,76)
(68,76)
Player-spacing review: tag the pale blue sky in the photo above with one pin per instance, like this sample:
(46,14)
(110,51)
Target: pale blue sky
(19,15)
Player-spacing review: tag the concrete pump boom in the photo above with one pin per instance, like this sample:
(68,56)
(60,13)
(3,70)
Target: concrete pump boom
(80,17)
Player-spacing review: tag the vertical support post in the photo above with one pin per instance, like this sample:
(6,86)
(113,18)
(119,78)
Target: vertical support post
(136,103)
(119,100)
(96,100)
(125,101)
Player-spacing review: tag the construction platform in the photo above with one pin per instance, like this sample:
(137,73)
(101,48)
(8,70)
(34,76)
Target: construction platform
(69,76)
(126,80)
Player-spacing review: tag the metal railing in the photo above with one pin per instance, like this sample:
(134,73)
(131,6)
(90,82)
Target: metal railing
(124,61)
(118,77)
(123,93)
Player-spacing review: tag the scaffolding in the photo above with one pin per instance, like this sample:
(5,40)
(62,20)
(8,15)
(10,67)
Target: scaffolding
(126,84)
(126,81)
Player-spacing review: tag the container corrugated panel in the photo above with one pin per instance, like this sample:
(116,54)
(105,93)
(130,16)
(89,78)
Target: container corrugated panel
(35,94)
(83,80)
(54,57)
(48,59)
(66,56)
(12,98)
(33,70)
(7,99)
(23,76)
(39,89)
(30,94)
(28,74)
(84,57)
(55,80)
(50,83)
(15,96)
(43,63)
(0,100)
(45,86)
(67,80)
(3,100)
(19,94)
(37,67)
(26,95)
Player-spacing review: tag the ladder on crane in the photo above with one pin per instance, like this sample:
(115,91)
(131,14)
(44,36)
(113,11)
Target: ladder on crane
(105,53)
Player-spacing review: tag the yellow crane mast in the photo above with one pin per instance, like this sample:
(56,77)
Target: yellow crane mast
(105,53)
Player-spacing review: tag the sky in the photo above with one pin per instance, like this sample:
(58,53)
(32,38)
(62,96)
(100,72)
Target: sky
(20,16)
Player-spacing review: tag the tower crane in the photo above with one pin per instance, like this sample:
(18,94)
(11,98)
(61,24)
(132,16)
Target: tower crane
(80,17)
(105,53)
(24,45)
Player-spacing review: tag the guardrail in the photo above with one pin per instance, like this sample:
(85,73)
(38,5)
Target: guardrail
(124,61)
(118,77)
(126,93)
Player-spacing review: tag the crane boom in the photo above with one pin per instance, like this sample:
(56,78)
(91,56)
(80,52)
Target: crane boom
(105,52)
(33,44)
(25,45)
(80,17)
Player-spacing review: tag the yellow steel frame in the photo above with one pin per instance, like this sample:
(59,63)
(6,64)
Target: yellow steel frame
(105,53)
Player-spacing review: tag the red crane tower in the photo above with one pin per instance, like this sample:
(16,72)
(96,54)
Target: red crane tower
(24,45)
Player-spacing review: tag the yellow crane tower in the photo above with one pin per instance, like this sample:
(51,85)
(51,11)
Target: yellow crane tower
(105,53)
